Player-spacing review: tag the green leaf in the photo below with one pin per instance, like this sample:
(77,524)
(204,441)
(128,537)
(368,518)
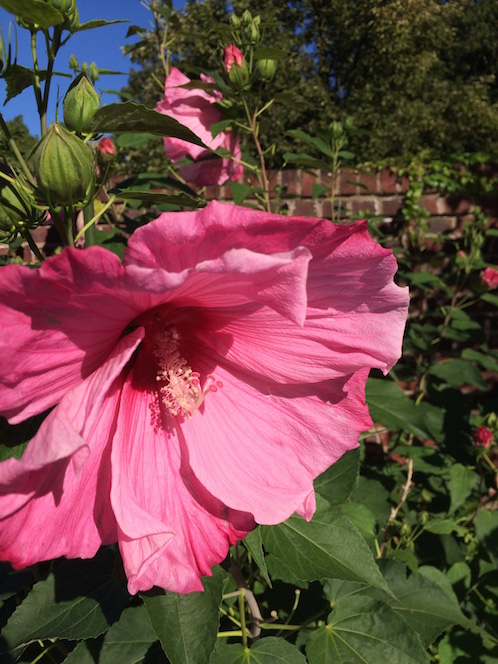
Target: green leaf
(254,544)
(486,525)
(79,600)
(302,159)
(361,629)
(33,11)
(337,482)
(312,141)
(131,639)
(99,23)
(329,546)
(157,197)
(462,481)
(427,607)
(361,516)
(346,154)
(457,373)
(187,625)
(130,118)
(18,78)
(135,140)
(484,359)
(490,298)
(241,191)
(271,650)
(389,405)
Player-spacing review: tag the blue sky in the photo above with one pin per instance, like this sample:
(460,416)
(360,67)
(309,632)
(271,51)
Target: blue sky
(102,45)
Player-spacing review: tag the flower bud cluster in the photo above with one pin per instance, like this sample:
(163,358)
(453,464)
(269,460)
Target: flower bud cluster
(64,167)
(18,209)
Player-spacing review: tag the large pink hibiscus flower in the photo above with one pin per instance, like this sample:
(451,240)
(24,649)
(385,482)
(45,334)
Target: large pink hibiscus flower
(200,388)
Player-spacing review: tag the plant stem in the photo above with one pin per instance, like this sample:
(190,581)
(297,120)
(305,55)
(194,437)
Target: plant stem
(262,175)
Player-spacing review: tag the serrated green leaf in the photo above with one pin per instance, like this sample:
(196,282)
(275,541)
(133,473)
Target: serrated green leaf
(424,604)
(33,11)
(389,405)
(337,482)
(271,650)
(329,546)
(18,78)
(457,373)
(361,516)
(461,482)
(254,544)
(360,630)
(131,118)
(187,625)
(130,640)
(79,600)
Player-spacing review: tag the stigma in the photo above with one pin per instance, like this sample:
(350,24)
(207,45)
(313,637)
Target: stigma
(180,388)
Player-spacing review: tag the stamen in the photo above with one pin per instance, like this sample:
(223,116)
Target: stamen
(181,390)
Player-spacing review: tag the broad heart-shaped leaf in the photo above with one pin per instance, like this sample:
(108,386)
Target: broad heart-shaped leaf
(327,547)
(131,640)
(187,625)
(254,544)
(337,482)
(389,405)
(271,650)
(131,118)
(33,11)
(361,629)
(80,599)
(428,607)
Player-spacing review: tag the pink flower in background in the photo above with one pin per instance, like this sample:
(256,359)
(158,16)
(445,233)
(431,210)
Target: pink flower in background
(490,277)
(482,436)
(198,389)
(231,55)
(106,147)
(196,109)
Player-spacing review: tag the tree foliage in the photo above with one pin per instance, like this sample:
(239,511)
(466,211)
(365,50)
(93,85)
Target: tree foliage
(412,75)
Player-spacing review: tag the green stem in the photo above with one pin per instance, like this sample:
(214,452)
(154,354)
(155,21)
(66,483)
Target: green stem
(59,226)
(95,218)
(242,610)
(15,150)
(37,86)
(90,235)
(32,244)
(262,175)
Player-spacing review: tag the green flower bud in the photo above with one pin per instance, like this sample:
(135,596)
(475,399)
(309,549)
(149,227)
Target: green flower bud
(239,75)
(267,69)
(252,34)
(235,21)
(17,203)
(73,63)
(64,168)
(93,72)
(80,104)
(246,18)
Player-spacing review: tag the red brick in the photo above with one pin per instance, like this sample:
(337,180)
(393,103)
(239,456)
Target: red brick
(370,182)
(390,206)
(289,182)
(346,185)
(367,205)
(433,203)
(403,184)
(307,182)
(306,208)
(454,205)
(388,181)
(442,224)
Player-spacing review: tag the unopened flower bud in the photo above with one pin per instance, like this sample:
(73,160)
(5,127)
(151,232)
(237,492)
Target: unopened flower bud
(252,34)
(73,63)
(246,18)
(93,71)
(80,104)
(482,436)
(267,69)
(63,165)
(17,204)
(106,152)
(232,55)
(235,21)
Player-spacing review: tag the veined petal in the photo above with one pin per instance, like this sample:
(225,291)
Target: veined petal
(54,501)
(257,446)
(59,323)
(167,537)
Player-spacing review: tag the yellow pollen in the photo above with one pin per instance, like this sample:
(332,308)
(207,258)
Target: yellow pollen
(181,391)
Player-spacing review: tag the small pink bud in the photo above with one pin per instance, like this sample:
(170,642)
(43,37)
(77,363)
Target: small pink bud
(106,146)
(482,436)
(490,277)
(231,55)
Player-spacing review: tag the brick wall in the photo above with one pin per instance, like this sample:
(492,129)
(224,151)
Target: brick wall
(358,194)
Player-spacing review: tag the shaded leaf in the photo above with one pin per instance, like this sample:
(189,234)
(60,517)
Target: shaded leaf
(389,405)
(99,23)
(254,544)
(302,159)
(79,600)
(312,141)
(329,546)
(187,625)
(337,482)
(33,11)
(132,118)
(461,482)
(271,650)
(457,373)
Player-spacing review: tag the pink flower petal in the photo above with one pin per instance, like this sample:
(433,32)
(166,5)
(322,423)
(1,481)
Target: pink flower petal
(166,536)
(257,445)
(54,501)
(59,323)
